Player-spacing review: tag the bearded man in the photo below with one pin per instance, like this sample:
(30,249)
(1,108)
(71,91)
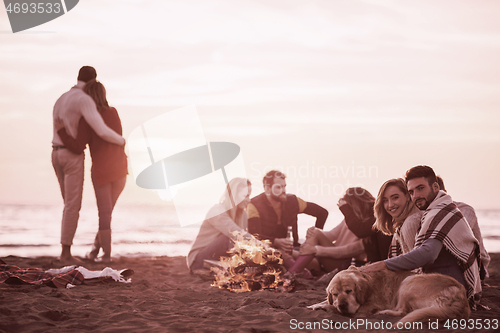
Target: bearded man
(271,212)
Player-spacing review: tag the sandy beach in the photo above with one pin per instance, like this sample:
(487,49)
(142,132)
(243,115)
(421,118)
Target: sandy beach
(165,297)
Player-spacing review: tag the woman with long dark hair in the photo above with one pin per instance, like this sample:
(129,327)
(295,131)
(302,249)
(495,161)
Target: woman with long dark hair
(354,238)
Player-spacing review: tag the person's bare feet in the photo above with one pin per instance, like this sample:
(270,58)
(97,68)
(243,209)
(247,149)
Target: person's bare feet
(66,257)
(104,259)
(70,260)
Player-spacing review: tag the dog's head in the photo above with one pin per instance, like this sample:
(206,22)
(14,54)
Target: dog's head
(348,290)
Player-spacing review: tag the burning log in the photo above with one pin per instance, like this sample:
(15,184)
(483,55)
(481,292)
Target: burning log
(268,279)
(254,285)
(251,266)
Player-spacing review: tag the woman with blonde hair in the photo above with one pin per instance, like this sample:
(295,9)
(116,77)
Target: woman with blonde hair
(224,220)
(397,215)
(354,238)
(109,164)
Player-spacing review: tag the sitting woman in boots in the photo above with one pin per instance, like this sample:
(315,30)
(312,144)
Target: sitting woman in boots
(353,239)
(109,165)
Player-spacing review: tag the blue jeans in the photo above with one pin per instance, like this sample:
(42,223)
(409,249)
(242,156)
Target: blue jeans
(106,196)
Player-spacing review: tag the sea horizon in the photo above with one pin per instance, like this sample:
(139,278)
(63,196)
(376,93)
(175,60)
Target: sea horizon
(142,230)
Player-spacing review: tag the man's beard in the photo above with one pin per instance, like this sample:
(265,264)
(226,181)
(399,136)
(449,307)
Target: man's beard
(280,198)
(427,201)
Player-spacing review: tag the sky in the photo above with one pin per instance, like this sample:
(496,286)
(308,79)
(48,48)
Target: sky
(334,93)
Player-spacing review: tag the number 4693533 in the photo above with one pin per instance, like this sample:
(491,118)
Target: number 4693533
(471,324)
(34,8)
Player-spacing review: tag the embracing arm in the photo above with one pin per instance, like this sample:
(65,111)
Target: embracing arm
(424,255)
(94,119)
(77,145)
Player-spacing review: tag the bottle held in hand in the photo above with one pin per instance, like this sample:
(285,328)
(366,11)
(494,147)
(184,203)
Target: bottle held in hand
(289,237)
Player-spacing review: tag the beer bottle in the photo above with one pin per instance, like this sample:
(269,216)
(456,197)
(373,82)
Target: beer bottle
(289,236)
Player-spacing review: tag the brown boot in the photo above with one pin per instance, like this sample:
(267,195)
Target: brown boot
(105,241)
(95,248)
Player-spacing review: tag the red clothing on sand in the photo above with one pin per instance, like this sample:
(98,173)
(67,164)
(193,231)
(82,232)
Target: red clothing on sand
(14,275)
(109,162)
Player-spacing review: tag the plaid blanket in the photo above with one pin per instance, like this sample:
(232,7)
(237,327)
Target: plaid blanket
(443,221)
(403,240)
(37,276)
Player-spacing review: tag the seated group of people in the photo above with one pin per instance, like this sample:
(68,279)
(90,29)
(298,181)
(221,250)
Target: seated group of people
(412,224)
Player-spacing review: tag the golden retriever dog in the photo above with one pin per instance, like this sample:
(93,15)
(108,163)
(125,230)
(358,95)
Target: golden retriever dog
(417,297)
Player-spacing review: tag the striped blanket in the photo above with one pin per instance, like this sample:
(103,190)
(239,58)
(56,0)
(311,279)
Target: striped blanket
(443,221)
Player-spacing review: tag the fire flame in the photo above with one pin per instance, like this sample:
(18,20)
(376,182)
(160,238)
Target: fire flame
(251,265)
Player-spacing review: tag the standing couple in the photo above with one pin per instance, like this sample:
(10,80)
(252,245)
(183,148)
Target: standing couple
(82,116)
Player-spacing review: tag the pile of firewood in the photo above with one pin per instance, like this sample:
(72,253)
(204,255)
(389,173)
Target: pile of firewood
(260,271)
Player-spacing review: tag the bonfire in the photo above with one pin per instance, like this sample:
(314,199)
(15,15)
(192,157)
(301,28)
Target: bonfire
(251,265)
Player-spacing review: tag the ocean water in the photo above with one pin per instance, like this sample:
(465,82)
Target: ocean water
(137,230)
(141,230)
